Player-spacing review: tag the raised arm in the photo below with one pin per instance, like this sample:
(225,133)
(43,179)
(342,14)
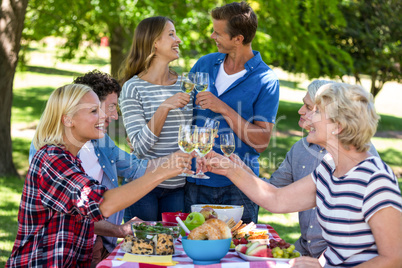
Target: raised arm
(121,197)
(141,137)
(297,196)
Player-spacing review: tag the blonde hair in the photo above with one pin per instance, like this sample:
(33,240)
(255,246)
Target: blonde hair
(63,101)
(352,108)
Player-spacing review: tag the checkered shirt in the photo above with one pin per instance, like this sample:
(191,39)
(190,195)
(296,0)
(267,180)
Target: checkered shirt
(59,205)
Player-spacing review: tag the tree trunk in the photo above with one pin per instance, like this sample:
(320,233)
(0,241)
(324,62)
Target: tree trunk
(116,43)
(12,17)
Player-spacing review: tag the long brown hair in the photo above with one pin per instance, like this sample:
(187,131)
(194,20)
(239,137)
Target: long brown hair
(142,50)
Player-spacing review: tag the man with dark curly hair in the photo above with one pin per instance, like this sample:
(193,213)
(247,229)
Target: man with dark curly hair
(104,161)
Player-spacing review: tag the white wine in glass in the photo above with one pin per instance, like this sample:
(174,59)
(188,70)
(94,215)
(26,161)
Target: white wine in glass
(201,84)
(213,124)
(204,143)
(187,84)
(186,140)
(227,144)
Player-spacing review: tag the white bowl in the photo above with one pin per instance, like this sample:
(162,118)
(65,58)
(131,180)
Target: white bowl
(224,213)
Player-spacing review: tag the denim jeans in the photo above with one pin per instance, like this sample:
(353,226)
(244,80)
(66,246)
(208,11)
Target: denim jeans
(151,206)
(228,195)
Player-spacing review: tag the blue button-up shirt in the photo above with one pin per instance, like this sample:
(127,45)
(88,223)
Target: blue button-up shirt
(254,96)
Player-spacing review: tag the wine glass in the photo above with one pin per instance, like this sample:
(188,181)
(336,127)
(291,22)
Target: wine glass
(186,140)
(201,84)
(187,85)
(204,143)
(227,143)
(212,123)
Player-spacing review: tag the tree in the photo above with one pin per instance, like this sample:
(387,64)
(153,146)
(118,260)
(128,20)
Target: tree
(11,24)
(82,20)
(372,37)
(294,35)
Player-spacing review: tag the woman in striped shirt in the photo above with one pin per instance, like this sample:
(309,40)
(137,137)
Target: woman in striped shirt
(357,195)
(150,103)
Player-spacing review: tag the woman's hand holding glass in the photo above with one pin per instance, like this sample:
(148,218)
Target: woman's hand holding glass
(186,140)
(174,164)
(204,143)
(187,85)
(178,100)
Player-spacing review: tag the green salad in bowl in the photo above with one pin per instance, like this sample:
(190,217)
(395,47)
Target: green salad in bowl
(149,229)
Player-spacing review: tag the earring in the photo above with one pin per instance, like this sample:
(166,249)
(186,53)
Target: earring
(333,132)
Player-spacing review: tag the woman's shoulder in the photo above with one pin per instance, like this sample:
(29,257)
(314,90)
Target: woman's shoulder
(376,166)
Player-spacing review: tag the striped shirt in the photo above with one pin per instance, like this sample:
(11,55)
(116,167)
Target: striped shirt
(346,204)
(138,102)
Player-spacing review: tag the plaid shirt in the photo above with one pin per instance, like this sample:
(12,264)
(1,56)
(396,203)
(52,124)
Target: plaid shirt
(58,206)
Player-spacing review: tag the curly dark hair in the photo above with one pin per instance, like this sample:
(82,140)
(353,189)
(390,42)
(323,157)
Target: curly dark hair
(102,83)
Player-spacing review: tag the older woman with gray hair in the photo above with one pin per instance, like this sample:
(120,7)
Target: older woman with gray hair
(299,162)
(357,195)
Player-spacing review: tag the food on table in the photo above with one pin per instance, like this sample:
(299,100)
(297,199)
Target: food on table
(146,229)
(239,241)
(143,246)
(282,249)
(241,229)
(161,244)
(127,244)
(258,250)
(209,213)
(224,212)
(217,207)
(258,235)
(212,229)
(164,245)
(151,238)
(195,218)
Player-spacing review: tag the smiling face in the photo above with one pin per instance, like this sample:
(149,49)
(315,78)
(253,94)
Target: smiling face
(167,46)
(322,129)
(87,123)
(308,106)
(109,107)
(224,43)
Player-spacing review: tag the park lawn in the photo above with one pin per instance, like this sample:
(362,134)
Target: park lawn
(45,72)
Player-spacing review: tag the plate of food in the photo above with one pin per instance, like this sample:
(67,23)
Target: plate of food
(254,258)
(151,238)
(176,253)
(254,251)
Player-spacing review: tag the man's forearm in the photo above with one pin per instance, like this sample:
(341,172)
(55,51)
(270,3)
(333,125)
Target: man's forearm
(105,228)
(256,135)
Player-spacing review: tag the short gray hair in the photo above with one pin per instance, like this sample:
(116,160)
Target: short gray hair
(315,85)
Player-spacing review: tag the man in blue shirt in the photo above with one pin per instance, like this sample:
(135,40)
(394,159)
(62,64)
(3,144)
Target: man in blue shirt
(243,95)
(105,162)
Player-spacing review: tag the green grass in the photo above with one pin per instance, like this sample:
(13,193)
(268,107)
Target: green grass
(45,72)
(10,195)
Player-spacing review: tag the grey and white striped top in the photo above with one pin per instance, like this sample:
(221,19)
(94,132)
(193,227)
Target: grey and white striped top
(139,101)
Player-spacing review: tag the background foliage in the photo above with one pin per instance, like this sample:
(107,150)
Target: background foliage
(315,37)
